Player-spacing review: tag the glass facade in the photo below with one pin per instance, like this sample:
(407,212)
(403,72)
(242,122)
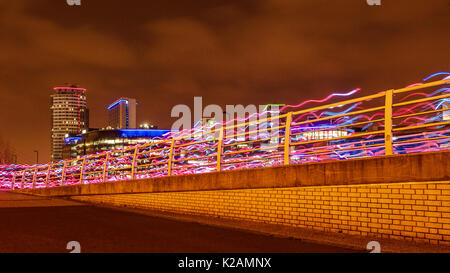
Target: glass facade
(98,141)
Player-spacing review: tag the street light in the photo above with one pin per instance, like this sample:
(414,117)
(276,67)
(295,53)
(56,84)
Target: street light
(37,156)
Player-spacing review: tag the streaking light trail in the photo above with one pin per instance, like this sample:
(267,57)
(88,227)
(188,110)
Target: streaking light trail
(318,134)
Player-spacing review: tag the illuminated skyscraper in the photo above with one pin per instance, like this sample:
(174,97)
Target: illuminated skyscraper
(69,115)
(122,114)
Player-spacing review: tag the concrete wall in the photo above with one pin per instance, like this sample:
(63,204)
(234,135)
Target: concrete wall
(390,169)
(399,197)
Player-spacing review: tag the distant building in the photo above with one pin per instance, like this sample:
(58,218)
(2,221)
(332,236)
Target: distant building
(122,114)
(69,115)
(96,141)
(147,126)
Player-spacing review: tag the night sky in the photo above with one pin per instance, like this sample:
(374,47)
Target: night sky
(164,53)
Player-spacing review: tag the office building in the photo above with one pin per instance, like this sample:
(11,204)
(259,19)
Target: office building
(69,115)
(122,114)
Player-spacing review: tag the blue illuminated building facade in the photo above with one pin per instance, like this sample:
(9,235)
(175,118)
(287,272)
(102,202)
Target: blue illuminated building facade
(122,114)
(99,140)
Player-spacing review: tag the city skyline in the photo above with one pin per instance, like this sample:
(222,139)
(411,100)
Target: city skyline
(234,53)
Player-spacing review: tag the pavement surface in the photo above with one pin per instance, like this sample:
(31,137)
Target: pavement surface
(39,224)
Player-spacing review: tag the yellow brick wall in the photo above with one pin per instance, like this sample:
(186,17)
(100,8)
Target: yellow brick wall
(417,211)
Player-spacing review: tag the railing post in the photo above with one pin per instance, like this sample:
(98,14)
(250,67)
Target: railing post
(219,150)
(134,162)
(169,164)
(388,122)
(48,174)
(34,178)
(63,174)
(22,180)
(82,171)
(287,139)
(105,167)
(13,181)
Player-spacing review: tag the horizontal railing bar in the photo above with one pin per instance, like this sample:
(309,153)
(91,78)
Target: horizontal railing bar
(251,159)
(152,164)
(112,158)
(194,151)
(194,158)
(85,173)
(152,157)
(420,126)
(194,166)
(420,140)
(421,86)
(249,141)
(154,151)
(118,169)
(421,100)
(151,171)
(419,113)
(193,143)
(343,137)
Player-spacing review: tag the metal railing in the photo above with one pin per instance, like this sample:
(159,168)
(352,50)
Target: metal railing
(389,122)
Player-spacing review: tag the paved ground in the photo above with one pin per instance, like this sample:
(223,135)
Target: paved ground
(35,224)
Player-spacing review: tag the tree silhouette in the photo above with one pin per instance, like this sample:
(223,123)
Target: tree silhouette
(7,153)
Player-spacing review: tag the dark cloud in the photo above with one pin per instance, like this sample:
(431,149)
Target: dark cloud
(230,52)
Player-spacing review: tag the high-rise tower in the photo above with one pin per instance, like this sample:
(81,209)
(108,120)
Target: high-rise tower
(69,115)
(122,114)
